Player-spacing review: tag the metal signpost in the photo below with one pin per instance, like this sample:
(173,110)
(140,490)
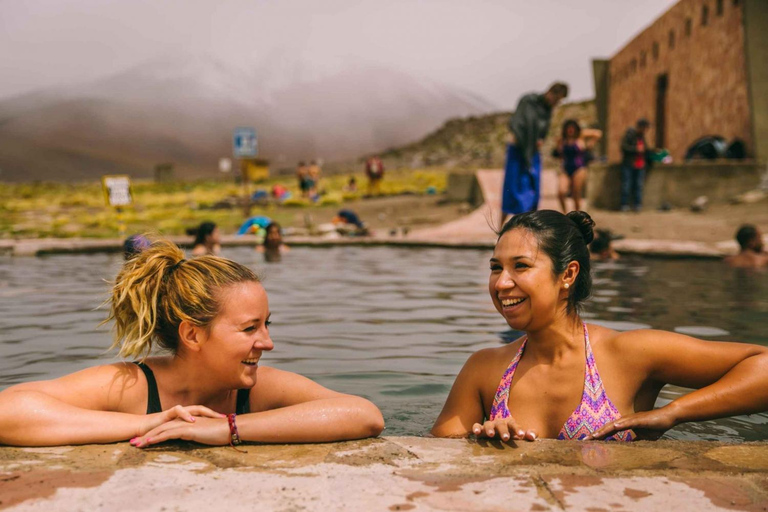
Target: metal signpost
(244,143)
(244,146)
(117,193)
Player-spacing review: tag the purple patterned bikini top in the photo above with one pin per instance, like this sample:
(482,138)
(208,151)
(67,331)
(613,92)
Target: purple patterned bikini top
(594,411)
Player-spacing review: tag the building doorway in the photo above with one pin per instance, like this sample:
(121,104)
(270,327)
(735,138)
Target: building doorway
(662,84)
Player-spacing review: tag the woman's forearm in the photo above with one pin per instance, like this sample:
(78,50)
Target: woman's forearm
(329,419)
(32,418)
(743,390)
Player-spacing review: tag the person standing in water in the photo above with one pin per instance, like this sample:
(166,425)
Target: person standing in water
(273,246)
(752,252)
(529,126)
(568,379)
(210,318)
(207,239)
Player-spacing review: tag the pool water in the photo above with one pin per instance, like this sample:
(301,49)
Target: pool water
(392,324)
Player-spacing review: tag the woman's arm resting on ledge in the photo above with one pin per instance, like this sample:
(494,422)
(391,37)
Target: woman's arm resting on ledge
(78,409)
(729,378)
(291,409)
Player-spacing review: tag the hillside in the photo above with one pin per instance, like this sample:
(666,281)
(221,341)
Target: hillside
(480,141)
(183,111)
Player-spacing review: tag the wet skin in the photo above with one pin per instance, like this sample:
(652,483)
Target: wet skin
(730,378)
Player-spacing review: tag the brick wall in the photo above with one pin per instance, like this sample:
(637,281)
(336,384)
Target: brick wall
(707,84)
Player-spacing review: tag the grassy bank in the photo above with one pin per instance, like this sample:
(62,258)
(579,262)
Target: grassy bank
(40,210)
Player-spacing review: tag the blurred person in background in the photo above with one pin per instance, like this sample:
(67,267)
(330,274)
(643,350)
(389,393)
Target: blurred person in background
(134,244)
(374,169)
(529,126)
(207,239)
(273,246)
(302,175)
(574,148)
(752,253)
(634,164)
(600,249)
(314,171)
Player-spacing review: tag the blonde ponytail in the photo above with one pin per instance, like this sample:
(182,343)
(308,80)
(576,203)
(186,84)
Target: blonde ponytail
(158,289)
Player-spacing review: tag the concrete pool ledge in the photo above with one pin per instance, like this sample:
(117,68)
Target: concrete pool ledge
(658,248)
(390,473)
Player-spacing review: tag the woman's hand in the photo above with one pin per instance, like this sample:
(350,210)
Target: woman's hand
(204,430)
(187,415)
(504,428)
(649,425)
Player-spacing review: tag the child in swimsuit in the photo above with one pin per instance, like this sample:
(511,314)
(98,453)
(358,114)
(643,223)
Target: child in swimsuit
(210,318)
(567,379)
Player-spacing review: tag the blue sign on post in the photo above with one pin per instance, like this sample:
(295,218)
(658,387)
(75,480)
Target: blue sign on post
(244,143)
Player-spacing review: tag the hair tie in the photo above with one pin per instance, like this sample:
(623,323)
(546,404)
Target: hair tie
(176,265)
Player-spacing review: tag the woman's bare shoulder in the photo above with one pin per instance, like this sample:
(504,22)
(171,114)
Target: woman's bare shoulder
(105,387)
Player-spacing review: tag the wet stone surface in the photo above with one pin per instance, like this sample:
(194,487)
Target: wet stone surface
(393,473)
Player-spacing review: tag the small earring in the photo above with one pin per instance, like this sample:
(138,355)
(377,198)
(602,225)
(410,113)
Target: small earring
(567,285)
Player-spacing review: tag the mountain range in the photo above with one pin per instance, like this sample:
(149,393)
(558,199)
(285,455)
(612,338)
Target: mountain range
(183,110)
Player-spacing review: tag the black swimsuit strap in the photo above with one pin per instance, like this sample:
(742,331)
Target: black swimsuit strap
(153,396)
(243,401)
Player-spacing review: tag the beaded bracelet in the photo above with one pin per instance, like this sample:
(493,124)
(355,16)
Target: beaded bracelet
(234,437)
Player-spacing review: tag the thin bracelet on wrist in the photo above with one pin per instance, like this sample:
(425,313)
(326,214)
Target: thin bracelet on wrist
(234,436)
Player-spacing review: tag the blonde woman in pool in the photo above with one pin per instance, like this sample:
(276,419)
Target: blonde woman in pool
(547,383)
(210,317)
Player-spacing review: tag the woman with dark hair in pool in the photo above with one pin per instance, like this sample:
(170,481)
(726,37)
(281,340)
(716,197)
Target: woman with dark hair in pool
(207,239)
(210,318)
(547,383)
(273,246)
(575,149)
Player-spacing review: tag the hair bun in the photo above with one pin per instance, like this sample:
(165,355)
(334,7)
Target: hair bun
(585,224)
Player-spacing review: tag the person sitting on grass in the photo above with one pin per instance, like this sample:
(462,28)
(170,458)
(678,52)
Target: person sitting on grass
(210,319)
(567,379)
(752,253)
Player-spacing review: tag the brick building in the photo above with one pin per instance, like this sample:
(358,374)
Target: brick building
(700,69)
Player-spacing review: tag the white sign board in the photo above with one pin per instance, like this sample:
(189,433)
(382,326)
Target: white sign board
(244,143)
(117,190)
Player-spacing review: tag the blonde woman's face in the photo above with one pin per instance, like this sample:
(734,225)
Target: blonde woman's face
(239,335)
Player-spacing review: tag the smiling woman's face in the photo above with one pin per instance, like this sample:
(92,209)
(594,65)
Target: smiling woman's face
(521,284)
(239,335)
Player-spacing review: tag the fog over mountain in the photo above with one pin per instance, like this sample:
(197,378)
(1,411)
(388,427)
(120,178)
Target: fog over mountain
(183,110)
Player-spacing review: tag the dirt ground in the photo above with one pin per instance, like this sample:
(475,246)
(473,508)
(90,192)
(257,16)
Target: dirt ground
(382,214)
(718,223)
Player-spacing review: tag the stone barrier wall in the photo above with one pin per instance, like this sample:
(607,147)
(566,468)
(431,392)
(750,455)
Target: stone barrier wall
(677,184)
(463,187)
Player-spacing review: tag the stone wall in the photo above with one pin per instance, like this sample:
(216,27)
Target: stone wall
(463,187)
(707,84)
(676,185)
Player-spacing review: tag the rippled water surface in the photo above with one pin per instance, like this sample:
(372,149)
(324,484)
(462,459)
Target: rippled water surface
(394,325)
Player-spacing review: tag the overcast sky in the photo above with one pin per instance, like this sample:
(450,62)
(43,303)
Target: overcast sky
(497,49)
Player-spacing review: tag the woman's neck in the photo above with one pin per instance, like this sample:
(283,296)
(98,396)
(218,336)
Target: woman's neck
(556,340)
(192,384)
